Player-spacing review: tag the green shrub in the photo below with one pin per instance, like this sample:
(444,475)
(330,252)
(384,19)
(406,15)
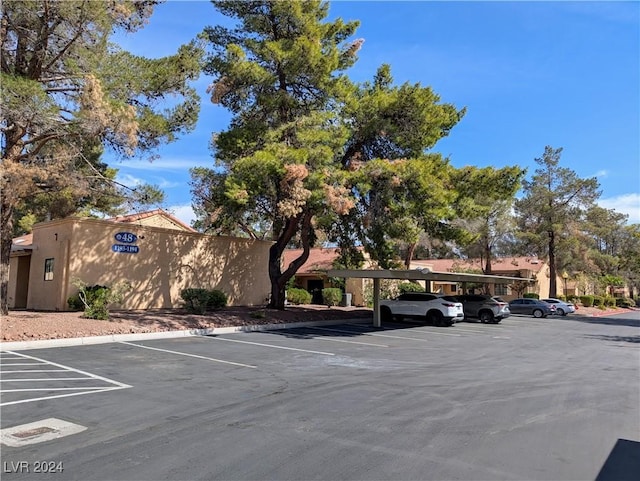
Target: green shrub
(95,299)
(625,302)
(610,301)
(410,287)
(598,301)
(199,301)
(531,295)
(573,298)
(298,296)
(195,300)
(586,301)
(562,297)
(217,299)
(331,296)
(74,303)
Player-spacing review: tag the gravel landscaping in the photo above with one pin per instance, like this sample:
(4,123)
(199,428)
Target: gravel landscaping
(36,325)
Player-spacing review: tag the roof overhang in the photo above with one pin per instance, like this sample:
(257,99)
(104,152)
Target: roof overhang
(423,275)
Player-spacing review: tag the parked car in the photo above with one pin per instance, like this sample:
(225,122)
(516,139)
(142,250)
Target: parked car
(562,308)
(484,308)
(435,308)
(532,307)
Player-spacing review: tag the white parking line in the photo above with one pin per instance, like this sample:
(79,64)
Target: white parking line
(97,389)
(375,334)
(188,355)
(475,330)
(78,391)
(270,345)
(94,376)
(315,338)
(21,363)
(49,379)
(34,370)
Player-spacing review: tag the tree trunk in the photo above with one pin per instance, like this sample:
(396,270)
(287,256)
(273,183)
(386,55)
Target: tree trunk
(6,221)
(552,265)
(411,248)
(279,278)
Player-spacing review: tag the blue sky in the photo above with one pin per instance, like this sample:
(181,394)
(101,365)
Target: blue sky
(531,74)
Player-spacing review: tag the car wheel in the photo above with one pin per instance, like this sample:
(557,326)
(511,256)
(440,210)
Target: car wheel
(435,317)
(538,313)
(486,316)
(560,311)
(385,314)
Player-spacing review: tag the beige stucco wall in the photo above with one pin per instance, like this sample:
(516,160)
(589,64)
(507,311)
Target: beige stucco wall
(158,221)
(167,262)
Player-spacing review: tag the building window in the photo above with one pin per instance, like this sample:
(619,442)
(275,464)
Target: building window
(502,290)
(48,269)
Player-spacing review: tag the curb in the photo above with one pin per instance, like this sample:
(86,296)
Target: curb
(607,313)
(82,341)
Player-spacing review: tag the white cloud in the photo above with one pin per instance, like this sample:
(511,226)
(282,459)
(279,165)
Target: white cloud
(602,173)
(166,164)
(625,204)
(129,180)
(183,212)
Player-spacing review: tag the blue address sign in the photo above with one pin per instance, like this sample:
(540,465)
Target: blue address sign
(126,237)
(124,248)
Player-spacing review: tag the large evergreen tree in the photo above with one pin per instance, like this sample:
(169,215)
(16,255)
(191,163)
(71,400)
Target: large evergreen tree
(554,199)
(307,151)
(65,86)
(407,191)
(485,199)
(278,72)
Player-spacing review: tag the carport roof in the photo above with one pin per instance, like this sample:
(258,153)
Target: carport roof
(423,274)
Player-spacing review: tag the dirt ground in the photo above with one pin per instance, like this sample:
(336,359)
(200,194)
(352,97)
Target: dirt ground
(36,325)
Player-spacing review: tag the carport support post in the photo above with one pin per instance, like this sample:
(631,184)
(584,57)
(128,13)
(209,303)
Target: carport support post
(376,302)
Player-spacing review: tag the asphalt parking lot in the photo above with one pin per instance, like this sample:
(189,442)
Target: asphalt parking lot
(526,399)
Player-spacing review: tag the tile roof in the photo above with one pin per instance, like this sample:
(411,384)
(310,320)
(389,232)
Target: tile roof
(22,243)
(321,259)
(502,264)
(130,219)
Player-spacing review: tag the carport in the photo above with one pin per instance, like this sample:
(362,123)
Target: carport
(415,275)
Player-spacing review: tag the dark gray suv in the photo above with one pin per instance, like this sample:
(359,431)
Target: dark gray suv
(484,308)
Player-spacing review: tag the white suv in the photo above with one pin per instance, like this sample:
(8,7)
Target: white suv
(435,308)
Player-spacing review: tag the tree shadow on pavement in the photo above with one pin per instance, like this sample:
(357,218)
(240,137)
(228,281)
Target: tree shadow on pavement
(631,319)
(632,339)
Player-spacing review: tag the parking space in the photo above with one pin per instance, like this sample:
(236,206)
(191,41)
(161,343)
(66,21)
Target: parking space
(25,378)
(348,401)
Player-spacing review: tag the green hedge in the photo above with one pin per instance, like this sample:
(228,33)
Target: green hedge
(531,295)
(199,301)
(409,287)
(298,296)
(625,302)
(586,301)
(331,296)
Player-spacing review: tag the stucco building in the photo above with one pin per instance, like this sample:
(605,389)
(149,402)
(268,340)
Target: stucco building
(157,253)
